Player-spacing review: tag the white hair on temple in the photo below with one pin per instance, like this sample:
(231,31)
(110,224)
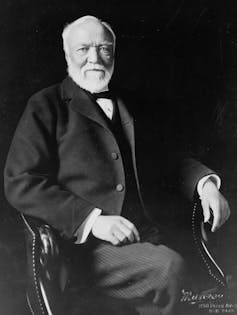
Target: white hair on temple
(81,21)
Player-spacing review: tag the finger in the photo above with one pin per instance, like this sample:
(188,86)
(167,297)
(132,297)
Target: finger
(128,232)
(227,211)
(206,211)
(113,240)
(224,209)
(118,233)
(203,232)
(136,233)
(132,227)
(223,215)
(216,217)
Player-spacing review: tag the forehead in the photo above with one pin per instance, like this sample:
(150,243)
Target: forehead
(90,32)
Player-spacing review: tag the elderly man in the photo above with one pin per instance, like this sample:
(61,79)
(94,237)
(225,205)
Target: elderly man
(72,163)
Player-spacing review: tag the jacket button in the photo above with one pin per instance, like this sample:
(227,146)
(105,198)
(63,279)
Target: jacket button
(119,187)
(114,155)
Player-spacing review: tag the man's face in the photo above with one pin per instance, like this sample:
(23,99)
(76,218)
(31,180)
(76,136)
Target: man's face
(91,56)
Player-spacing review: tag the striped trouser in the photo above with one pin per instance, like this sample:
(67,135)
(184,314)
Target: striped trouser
(135,272)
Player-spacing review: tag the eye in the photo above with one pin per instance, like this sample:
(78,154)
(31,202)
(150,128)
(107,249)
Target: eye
(106,50)
(82,50)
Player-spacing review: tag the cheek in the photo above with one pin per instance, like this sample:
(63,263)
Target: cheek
(78,61)
(107,61)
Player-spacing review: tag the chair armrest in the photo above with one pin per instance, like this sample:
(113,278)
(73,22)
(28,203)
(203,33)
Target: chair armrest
(47,271)
(199,237)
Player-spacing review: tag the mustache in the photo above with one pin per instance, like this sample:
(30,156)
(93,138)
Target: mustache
(94,68)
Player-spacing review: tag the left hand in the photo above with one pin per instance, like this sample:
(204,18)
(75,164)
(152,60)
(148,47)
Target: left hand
(214,203)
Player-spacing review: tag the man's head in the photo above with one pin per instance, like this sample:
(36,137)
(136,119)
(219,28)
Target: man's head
(89,46)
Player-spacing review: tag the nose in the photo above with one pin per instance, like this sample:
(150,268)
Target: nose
(93,55)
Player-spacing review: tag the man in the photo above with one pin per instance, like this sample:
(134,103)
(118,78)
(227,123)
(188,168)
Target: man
(72,163)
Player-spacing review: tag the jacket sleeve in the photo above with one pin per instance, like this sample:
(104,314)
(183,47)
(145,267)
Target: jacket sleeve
(30,173)
(191,172)
(184,165)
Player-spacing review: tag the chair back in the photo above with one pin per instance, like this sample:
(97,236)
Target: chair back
(46,268)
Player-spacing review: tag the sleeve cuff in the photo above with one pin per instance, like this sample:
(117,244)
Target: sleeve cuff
(213,177)
(85,228)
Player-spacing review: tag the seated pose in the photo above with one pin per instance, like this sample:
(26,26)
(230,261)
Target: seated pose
(72,163)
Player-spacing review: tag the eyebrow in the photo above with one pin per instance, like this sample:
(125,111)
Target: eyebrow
(101,44)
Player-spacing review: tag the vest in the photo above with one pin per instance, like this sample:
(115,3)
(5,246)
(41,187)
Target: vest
(132,207)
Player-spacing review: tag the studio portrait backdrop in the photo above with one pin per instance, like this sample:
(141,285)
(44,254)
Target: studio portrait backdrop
(179,56)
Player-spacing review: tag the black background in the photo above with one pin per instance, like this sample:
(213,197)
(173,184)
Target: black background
(180,53)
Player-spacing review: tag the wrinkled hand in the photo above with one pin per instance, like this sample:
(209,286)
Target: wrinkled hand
(115,229)
(214,204)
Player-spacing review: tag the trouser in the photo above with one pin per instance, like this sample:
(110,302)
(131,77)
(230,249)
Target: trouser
(147,271)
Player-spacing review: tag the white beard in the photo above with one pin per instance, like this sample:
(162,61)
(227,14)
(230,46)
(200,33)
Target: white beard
(93,82)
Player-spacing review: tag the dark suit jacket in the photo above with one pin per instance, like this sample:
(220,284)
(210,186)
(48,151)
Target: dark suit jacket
(64,160)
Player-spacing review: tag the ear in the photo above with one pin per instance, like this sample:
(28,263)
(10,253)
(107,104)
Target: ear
(68,58)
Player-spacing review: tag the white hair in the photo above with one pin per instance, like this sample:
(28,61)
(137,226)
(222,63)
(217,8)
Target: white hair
(81,21)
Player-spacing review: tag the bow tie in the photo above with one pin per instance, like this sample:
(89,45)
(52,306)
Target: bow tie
(105,94)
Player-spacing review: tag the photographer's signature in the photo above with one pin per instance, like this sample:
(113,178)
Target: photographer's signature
(194,298)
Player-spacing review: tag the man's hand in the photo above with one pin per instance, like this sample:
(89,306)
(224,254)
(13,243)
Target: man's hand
(115,229)
(214,204)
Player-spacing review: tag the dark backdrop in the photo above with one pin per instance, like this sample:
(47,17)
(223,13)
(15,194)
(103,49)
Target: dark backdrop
(176,53)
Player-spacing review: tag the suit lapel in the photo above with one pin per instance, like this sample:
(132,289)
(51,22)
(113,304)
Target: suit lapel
(85,105)
(127,123)
(128,127)
(81,101)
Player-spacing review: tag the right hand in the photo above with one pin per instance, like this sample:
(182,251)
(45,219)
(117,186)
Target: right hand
(115,229)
